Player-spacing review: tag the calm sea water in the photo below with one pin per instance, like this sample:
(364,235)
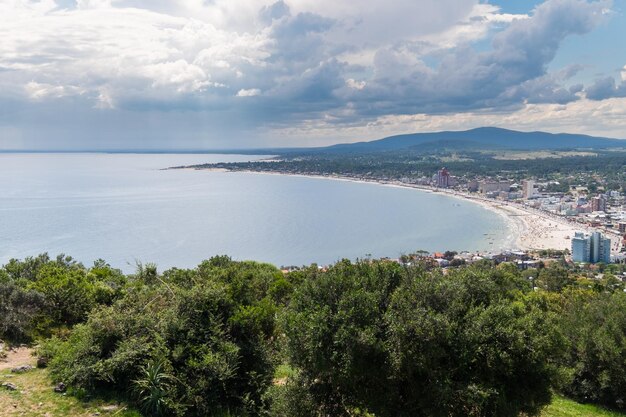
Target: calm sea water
(124,208)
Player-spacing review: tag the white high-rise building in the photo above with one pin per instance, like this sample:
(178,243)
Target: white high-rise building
(528,189)
(592,248)
(581,247)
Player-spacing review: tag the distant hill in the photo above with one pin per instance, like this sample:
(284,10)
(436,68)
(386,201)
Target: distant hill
(480,138)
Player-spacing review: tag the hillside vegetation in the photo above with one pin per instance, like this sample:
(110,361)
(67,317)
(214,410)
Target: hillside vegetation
(37,398)
(479,138)
(368,338)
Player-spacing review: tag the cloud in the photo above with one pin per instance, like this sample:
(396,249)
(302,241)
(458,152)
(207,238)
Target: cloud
(123,53)
(606,88)
(513,72)
(273,63)
(274,12)
(249,92)
(601,118)
(39,91)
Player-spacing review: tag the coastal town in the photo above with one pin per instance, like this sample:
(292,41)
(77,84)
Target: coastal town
(589,226)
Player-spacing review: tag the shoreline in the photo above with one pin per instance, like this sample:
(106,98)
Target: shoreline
(531,229)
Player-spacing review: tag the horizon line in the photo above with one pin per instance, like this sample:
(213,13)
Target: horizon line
(280,148)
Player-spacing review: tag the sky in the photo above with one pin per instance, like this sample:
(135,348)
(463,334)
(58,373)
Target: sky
(228,74)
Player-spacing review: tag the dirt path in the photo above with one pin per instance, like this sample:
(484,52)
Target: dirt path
(34,395)
(17,357)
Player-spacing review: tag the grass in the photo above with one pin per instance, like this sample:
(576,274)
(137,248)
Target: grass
(36,397)
(284,371)
(563,407)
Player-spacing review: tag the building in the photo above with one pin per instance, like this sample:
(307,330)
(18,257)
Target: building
(592,248)
(493,186)
(581,247)
(528,189)
(622,227)
(600,248)
(598,203)
(442,178)
(504,195)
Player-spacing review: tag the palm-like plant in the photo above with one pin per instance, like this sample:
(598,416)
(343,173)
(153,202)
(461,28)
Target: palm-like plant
(152,388)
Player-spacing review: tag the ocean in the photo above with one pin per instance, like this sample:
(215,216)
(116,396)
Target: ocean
(124,208)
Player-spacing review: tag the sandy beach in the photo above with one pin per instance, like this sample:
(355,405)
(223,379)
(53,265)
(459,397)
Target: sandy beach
(531,229)
(535,229)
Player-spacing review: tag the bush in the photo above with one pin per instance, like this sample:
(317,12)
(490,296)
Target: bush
(20,312)
(455,353)
(595,325)
(69,294)
(293,399)
(42,295)
(187,343)
(394,341)
(372,337)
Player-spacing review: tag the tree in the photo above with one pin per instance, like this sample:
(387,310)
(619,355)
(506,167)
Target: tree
(20,311)
(335,332)
(554,278)
(449,255)
(401,341)
(69,294)
(595,362)
(462,347)
(191,342)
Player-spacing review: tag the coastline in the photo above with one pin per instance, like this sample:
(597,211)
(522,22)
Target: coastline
(531,229)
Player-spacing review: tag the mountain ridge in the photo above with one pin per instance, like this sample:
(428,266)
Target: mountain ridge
(488,137)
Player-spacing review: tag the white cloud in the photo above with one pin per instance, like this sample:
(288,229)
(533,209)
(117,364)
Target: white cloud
(376,22)
(180,74)
(357,85)
(476,25)
(105,41)
(105,101)
(93,4)
(248,92)
(126,51)
(39,91)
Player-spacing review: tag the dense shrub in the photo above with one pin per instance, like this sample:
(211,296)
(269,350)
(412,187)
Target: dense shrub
(365,338)
(595,362)
(459,346)
(20,312)
(554,278)
(194,342)
(27,269)
(398,341)
(69,294)
(40,294)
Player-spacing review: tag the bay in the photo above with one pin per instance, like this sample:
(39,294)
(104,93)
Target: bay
(125,208)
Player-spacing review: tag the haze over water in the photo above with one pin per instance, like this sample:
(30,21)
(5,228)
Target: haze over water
(124,208)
